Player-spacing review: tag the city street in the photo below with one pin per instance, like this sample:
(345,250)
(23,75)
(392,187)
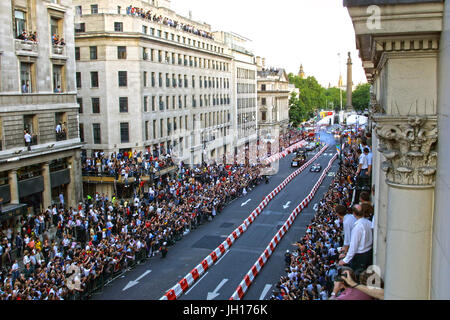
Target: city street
(152,279)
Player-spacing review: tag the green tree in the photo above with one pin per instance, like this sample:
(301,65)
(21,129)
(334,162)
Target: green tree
(333,99)
(312,98)
(361,97)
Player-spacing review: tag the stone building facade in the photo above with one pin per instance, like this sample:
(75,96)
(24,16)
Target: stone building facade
(273,105)
(404,47)
(148,84)
(37,93)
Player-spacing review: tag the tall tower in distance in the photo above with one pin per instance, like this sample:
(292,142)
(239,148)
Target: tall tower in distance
(349,106)
(301,73)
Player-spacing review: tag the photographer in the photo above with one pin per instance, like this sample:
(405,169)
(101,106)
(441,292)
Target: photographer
(345,287)
(364,286)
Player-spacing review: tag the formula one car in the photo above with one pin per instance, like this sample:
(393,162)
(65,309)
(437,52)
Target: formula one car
(299,160)
(310,146)
(316,167)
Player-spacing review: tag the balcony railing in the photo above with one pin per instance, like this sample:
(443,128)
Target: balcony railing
(25,47)
(36,98)
(58,49)
(61,136)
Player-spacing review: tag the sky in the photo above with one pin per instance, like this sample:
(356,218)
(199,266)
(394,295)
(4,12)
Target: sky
(287,33)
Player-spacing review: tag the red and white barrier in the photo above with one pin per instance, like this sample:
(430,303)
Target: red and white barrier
(182,286)
(259,264)
(284,153)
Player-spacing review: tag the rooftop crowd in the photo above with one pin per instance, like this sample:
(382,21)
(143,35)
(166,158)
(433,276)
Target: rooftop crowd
(333,259)
(147,14)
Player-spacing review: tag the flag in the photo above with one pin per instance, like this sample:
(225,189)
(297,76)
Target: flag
(338,148)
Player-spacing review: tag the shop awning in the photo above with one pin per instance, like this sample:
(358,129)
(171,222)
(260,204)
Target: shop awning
(12,210)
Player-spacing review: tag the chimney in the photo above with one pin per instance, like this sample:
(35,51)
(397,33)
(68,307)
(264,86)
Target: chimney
(258,61)
(190,15)
(263,62)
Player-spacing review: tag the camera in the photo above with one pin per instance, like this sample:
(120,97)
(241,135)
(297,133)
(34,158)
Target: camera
(340,275)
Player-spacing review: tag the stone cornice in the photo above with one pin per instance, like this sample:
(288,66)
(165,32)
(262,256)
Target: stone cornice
(408,144)
(402,26)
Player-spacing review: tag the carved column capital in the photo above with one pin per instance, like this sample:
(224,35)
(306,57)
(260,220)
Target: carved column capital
(408,144)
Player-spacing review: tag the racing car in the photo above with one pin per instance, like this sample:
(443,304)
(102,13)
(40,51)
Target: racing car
(299,160)
(316,167)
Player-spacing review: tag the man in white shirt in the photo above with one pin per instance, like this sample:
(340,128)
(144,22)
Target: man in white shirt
(368,155)
(359,254)
(348,221)
(27,138)
(363,164)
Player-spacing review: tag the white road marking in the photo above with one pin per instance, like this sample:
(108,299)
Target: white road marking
(135,282)
(264,292)
(197,282)
(214,294)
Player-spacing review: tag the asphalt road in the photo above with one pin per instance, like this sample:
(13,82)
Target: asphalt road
(152,279)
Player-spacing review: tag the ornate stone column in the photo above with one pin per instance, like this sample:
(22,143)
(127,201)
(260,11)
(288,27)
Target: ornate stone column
(408,145)
(13,186)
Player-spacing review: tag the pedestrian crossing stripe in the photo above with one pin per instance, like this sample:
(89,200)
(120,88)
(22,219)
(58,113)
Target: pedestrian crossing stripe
(331,174)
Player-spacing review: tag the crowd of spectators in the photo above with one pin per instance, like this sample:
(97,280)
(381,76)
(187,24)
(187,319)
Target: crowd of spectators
(126,164)
(147,14)
(56,40)
(333,259)
(104,236)
(28,36)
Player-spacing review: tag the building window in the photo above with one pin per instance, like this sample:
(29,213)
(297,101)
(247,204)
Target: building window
(146,130)
(122,78)
(124,132)
(77,53)
(118,26)
(263,87)
(81,132)
(96,133)
(144,29)
(145,78)
(78,80)
(55,27)
(57,78)
(263,116)
(121,52)
(94,8)
(78,10)
(93,53)
(263,101)
(20,22)
(123,104)
(145,103)
(94,79)
(25,77)
(80,27)
(95,105)
(161,104)
(80,103)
